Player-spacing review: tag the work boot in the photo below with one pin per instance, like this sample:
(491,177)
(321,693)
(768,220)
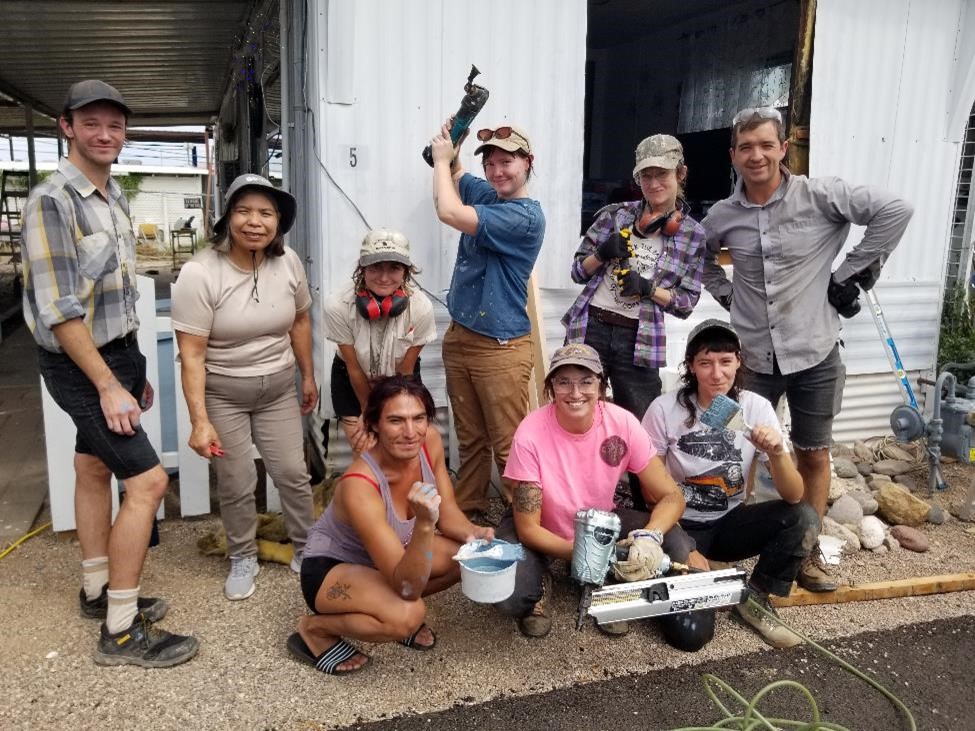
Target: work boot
(97,608)
(771,630)
(240,580)
(145,645)
(814,574)
(538,623)
(296,561)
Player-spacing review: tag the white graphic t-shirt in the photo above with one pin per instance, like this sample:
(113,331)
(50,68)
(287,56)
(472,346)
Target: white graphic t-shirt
(607,295)
(711,466)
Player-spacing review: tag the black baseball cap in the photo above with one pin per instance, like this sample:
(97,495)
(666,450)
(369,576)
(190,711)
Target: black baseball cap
(89,91)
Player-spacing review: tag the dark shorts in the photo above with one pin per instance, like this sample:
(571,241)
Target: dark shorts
(314,569)
(814,395)
(344,400)
(125,456)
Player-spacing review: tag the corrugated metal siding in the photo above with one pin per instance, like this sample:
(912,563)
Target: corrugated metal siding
(868,400)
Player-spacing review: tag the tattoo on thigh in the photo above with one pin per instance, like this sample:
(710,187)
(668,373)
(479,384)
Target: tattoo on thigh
(338,591)
(527,497)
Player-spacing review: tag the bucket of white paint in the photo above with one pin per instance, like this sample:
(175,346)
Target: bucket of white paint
(487,580)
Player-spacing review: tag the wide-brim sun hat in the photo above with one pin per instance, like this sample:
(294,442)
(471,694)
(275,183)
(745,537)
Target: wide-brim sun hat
(287,205)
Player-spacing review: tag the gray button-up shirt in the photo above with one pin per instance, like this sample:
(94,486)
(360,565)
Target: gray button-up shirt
(782,254)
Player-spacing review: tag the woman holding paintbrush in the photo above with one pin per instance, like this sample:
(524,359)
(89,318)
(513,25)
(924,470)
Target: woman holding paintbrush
(711,465)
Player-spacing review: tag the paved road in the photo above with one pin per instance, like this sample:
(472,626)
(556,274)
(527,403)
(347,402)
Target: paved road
(930,666)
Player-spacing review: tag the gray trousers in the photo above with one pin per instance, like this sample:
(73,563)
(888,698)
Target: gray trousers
(262,410)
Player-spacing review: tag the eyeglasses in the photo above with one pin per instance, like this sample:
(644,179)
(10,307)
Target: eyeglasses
(567,385)
(501,133)
(746,115)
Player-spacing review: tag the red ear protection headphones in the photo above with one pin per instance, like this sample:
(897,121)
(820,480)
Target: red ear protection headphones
(374,308)
(668,224)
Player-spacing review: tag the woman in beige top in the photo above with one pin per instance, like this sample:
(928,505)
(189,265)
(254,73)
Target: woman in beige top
(241,316)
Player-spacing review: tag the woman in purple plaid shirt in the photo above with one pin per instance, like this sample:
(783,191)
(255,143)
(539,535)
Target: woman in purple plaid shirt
(638,260)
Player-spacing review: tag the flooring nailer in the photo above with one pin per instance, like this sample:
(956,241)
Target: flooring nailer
(593,552)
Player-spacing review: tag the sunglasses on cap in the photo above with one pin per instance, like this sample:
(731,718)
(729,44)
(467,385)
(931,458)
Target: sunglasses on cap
(746,115)
(501,133)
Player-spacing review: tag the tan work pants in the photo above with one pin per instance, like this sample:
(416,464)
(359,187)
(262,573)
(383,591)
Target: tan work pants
(487,383)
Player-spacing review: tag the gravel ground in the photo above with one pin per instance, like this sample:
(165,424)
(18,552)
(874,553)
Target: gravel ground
(244,678)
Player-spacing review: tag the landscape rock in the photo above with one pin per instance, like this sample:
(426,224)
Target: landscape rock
(907,482)
(910,538)
(937,515)
(945,459)
(895,451)
(880,477)
(861,450)
(841,450)
(844,468)
(892,543)
(866,500)
(871,532)
(850,539)
(846,510)
(837,489)
(898,507)
(865,468)
(892,467)
(881,549)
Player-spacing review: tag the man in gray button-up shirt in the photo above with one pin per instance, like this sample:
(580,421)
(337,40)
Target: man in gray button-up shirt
(783,232)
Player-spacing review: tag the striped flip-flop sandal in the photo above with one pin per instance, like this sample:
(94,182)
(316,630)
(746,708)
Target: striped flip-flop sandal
(329,660)
(414,645)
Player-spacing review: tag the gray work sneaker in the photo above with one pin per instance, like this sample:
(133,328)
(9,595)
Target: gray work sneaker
(145,645)
(774,633)
(296,561)
(240,581)
(97,608)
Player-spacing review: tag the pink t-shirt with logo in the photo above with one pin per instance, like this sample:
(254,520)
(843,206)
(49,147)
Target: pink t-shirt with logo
(577,471)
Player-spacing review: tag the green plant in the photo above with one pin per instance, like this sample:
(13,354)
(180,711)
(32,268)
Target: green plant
(957,341)
(130,184)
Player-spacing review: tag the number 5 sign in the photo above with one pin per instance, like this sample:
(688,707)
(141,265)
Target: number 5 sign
(354,156)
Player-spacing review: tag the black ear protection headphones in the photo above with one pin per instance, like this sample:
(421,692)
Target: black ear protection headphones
(375,308)
(668,224)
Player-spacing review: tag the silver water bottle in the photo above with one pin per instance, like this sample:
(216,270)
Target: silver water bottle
(594,546)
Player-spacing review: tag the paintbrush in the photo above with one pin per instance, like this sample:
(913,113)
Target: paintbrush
(725,413)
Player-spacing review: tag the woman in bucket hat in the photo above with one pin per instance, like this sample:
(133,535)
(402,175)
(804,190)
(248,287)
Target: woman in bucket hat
(639,261)
(379,324)
(241,316)
(487,350)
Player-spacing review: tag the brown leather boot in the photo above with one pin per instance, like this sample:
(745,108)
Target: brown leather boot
(538,623)
(815,575)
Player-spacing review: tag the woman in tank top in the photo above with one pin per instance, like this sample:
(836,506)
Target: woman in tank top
(385,540)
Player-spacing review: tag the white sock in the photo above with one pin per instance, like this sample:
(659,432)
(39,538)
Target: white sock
(122,607)
(94,576)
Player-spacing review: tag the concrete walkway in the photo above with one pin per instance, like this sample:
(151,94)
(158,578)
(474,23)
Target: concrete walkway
(23,466)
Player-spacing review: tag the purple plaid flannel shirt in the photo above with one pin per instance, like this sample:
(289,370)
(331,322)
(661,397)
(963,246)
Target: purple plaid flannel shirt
(678,270)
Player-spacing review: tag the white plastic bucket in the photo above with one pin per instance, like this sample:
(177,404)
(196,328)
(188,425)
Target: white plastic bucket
(487,580)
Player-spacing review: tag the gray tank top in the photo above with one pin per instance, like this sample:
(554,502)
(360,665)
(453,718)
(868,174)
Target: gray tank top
(331,538)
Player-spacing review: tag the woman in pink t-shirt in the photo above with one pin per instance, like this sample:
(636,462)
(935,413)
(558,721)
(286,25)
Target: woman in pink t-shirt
(568,455)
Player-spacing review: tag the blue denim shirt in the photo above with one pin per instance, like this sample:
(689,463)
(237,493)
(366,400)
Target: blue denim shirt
(489,289)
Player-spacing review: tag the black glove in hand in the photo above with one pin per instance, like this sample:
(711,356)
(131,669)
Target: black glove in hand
(867,278)
(632,284)
(844,296)
(614,247)
(725,301)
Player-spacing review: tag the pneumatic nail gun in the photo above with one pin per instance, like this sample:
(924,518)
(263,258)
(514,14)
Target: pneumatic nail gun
(593,553)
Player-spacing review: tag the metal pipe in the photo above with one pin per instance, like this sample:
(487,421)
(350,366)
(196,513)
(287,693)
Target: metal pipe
(935,431)
(31,159)
(284,123)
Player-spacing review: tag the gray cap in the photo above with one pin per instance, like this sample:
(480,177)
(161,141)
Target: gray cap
(89,91)
(577,354)
(711,324)
(658,151)
(287,206)
(384,245)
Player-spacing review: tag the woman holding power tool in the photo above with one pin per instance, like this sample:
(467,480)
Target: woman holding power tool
(241,316)
(712,466)
(638,261)
(487,348)
(567,456)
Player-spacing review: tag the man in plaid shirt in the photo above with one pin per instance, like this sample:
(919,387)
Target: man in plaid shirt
(79,303)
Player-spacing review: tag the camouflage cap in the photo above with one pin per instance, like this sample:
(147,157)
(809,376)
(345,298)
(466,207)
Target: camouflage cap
(577,354)
(658,151)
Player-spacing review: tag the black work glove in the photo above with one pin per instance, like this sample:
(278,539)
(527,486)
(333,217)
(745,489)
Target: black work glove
(844,296)
(725,301)
(632,284)
(867,278)
(615,247)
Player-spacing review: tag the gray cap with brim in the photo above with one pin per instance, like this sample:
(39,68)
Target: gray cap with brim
(87,92)
(711,324)
(287,206)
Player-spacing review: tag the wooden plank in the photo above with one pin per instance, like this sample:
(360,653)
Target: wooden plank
(536,396)
(919,586)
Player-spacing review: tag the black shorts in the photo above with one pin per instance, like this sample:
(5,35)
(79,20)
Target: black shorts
(125,456)
(314,569)
(344,400)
